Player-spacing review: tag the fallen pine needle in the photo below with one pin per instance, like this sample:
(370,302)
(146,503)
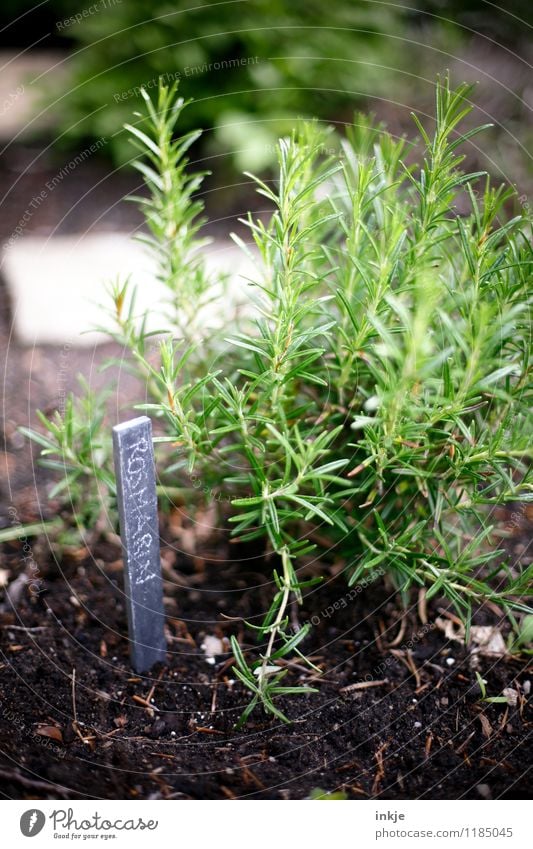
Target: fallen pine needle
(205,730)
(362,685)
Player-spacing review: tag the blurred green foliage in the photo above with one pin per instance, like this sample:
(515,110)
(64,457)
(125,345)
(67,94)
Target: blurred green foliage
(251,66)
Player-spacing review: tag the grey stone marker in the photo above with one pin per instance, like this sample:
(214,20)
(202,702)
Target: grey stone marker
(137,504)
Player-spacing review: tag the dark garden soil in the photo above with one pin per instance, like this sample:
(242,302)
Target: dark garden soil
(397,714)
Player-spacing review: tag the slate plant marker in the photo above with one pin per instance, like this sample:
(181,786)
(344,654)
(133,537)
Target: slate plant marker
(137,505)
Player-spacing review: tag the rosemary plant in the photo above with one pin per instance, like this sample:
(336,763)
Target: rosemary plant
(74,445)
(378,399)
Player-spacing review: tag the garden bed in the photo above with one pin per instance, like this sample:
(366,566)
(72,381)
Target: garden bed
(398,712)
(416,435)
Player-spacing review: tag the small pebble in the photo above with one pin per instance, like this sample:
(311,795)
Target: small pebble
(484,791)
(211,647)
(511,695)
(418,725)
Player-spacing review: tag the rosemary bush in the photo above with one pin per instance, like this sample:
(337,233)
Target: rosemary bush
(377,400)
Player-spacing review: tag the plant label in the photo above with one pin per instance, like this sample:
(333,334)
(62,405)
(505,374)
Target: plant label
(137,505)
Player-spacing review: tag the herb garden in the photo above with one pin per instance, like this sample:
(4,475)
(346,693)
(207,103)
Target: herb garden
(334,462)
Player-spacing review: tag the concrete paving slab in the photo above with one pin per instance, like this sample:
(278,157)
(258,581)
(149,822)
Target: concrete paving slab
(56,285)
